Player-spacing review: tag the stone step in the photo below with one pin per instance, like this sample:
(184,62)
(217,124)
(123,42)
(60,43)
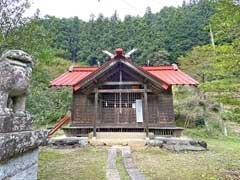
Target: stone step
(121,135)
(111,142)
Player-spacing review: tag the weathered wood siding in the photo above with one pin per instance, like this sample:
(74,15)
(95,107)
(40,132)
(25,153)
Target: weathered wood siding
(160,108)
(83,109)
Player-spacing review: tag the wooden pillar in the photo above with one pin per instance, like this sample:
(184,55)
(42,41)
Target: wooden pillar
(120,94)
(72,108)
(96,113)
(146,114)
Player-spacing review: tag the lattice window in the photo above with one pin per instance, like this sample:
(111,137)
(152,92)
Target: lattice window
(117,100)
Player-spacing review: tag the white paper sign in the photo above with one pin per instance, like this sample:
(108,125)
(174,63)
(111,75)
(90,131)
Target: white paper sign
(139,111)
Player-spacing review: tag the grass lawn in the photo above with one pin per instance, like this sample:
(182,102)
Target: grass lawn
(79,163)
(222,161)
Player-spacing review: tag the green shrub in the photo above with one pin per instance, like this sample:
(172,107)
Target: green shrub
(200,121)
(48,106)
(232,115)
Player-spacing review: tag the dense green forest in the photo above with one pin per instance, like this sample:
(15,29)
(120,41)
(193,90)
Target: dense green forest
(174,35)
(162,36)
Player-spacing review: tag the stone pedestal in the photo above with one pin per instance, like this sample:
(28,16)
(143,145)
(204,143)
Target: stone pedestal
(19,147)
(11,122)
(23,167)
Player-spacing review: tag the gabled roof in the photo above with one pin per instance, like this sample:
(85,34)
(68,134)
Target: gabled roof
(164,75)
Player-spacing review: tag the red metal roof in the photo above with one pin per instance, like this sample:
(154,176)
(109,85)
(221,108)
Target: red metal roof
(71,78)
(171,75)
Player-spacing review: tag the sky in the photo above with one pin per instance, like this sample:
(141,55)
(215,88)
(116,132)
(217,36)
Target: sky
(83,8)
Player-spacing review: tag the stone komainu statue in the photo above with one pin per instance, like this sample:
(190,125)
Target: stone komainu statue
(15,74)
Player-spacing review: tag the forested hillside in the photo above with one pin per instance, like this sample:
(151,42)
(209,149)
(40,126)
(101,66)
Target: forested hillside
(217,65)
(160,38)
(174,35)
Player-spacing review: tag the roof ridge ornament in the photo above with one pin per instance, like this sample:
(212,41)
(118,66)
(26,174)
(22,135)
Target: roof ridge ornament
(175,67)
(131,52)
(70,69)
(108,53)
(119,52)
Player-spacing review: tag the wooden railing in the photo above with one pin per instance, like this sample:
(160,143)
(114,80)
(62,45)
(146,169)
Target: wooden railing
(60,124)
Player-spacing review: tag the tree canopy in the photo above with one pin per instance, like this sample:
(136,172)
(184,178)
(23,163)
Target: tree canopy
(172,32)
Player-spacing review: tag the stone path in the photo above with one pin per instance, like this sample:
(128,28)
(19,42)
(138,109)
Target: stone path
(112,172)
(132,170)
(130,166)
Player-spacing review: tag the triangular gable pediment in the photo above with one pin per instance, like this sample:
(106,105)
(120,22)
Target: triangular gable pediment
(112,67)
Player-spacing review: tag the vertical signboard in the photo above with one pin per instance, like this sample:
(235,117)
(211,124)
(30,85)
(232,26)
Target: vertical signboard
(139,110)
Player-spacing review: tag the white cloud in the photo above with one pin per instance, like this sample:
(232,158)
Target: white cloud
(83,8)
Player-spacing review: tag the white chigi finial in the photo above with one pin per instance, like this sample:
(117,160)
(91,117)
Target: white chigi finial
(130,52)
(108,53)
